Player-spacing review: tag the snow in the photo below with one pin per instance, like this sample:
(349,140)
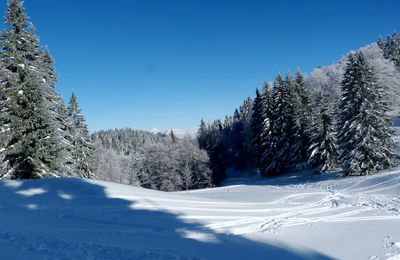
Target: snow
(288,217)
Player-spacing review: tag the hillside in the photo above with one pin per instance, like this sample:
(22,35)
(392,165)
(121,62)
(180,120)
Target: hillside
(288,217)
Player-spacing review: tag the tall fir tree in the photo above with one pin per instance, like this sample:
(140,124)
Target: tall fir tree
(173,137)
(323,151)
(32,149)
(58,111)
(265,137)
(201,135)
(391,49)
(257,123)
(304,116)
(291,109)
(365,137)
(83,157)
(277,151)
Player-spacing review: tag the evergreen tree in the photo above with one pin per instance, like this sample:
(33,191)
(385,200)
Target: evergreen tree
(33,150)
(323,149)
(291,109)
(391,49)
(58,111)
(83,152)
(365,137)
(277,151)
(257,123)
(304,116)
(267,101)
(173,137)
(201,135)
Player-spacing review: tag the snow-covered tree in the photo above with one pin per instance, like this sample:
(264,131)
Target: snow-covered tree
(365,137)
(277,154)
(32,148)
(303,110)
(391,49)
(291,109)
(257,123)
(173,137)
(323,151)
(83,151)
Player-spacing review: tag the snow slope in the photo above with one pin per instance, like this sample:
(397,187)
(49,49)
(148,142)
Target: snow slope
(290,217)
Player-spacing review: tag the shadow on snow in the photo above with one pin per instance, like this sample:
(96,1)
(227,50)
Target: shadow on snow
(76,219)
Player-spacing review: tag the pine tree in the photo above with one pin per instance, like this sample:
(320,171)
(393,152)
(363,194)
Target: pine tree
(323,151)
(291,109)
(391,49)
(173,137)
(257,123)
(304,116)
(83,152)
(33,150)
(275,156)
(58,111)
(201,135)
(265,140)
(365,138)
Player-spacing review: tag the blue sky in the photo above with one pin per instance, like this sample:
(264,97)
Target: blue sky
(166,64)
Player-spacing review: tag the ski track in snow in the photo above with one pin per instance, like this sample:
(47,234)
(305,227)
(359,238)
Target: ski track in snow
(70,219)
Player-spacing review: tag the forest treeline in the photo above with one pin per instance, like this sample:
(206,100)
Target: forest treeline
(338,118)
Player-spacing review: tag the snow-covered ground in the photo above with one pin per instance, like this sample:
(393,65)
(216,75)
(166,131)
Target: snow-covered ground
(290,217)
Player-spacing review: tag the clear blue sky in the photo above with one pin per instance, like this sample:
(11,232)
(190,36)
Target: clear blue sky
(165,64)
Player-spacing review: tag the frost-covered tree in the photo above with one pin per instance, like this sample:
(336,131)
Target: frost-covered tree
(291,109)
(173,137)
(187,177)
(32,147)
(323,151)
(151,160)
(277,154)
(391,49)
(58,112)
(303,110)
(365,137)
(83,150)
(257,123)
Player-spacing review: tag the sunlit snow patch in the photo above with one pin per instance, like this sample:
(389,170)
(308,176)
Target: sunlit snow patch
(198,236)
(31,192)
(12,184)
(65,196)
(32,206)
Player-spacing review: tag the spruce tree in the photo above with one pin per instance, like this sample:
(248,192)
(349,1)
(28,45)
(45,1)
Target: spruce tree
(201,135)
(291,109)
(32,149)
(304,116)
(277,151)
(265,136)
(173,137)
(391,49)
(365,137)
(257,123)
(83,149)
(58,111)
(323,151)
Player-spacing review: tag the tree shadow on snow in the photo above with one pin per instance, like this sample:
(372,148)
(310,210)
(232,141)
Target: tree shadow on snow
(77,219)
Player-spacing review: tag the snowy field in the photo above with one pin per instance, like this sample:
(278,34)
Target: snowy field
(290,217)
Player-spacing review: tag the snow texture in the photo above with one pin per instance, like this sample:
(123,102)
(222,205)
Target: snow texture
(288,217)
